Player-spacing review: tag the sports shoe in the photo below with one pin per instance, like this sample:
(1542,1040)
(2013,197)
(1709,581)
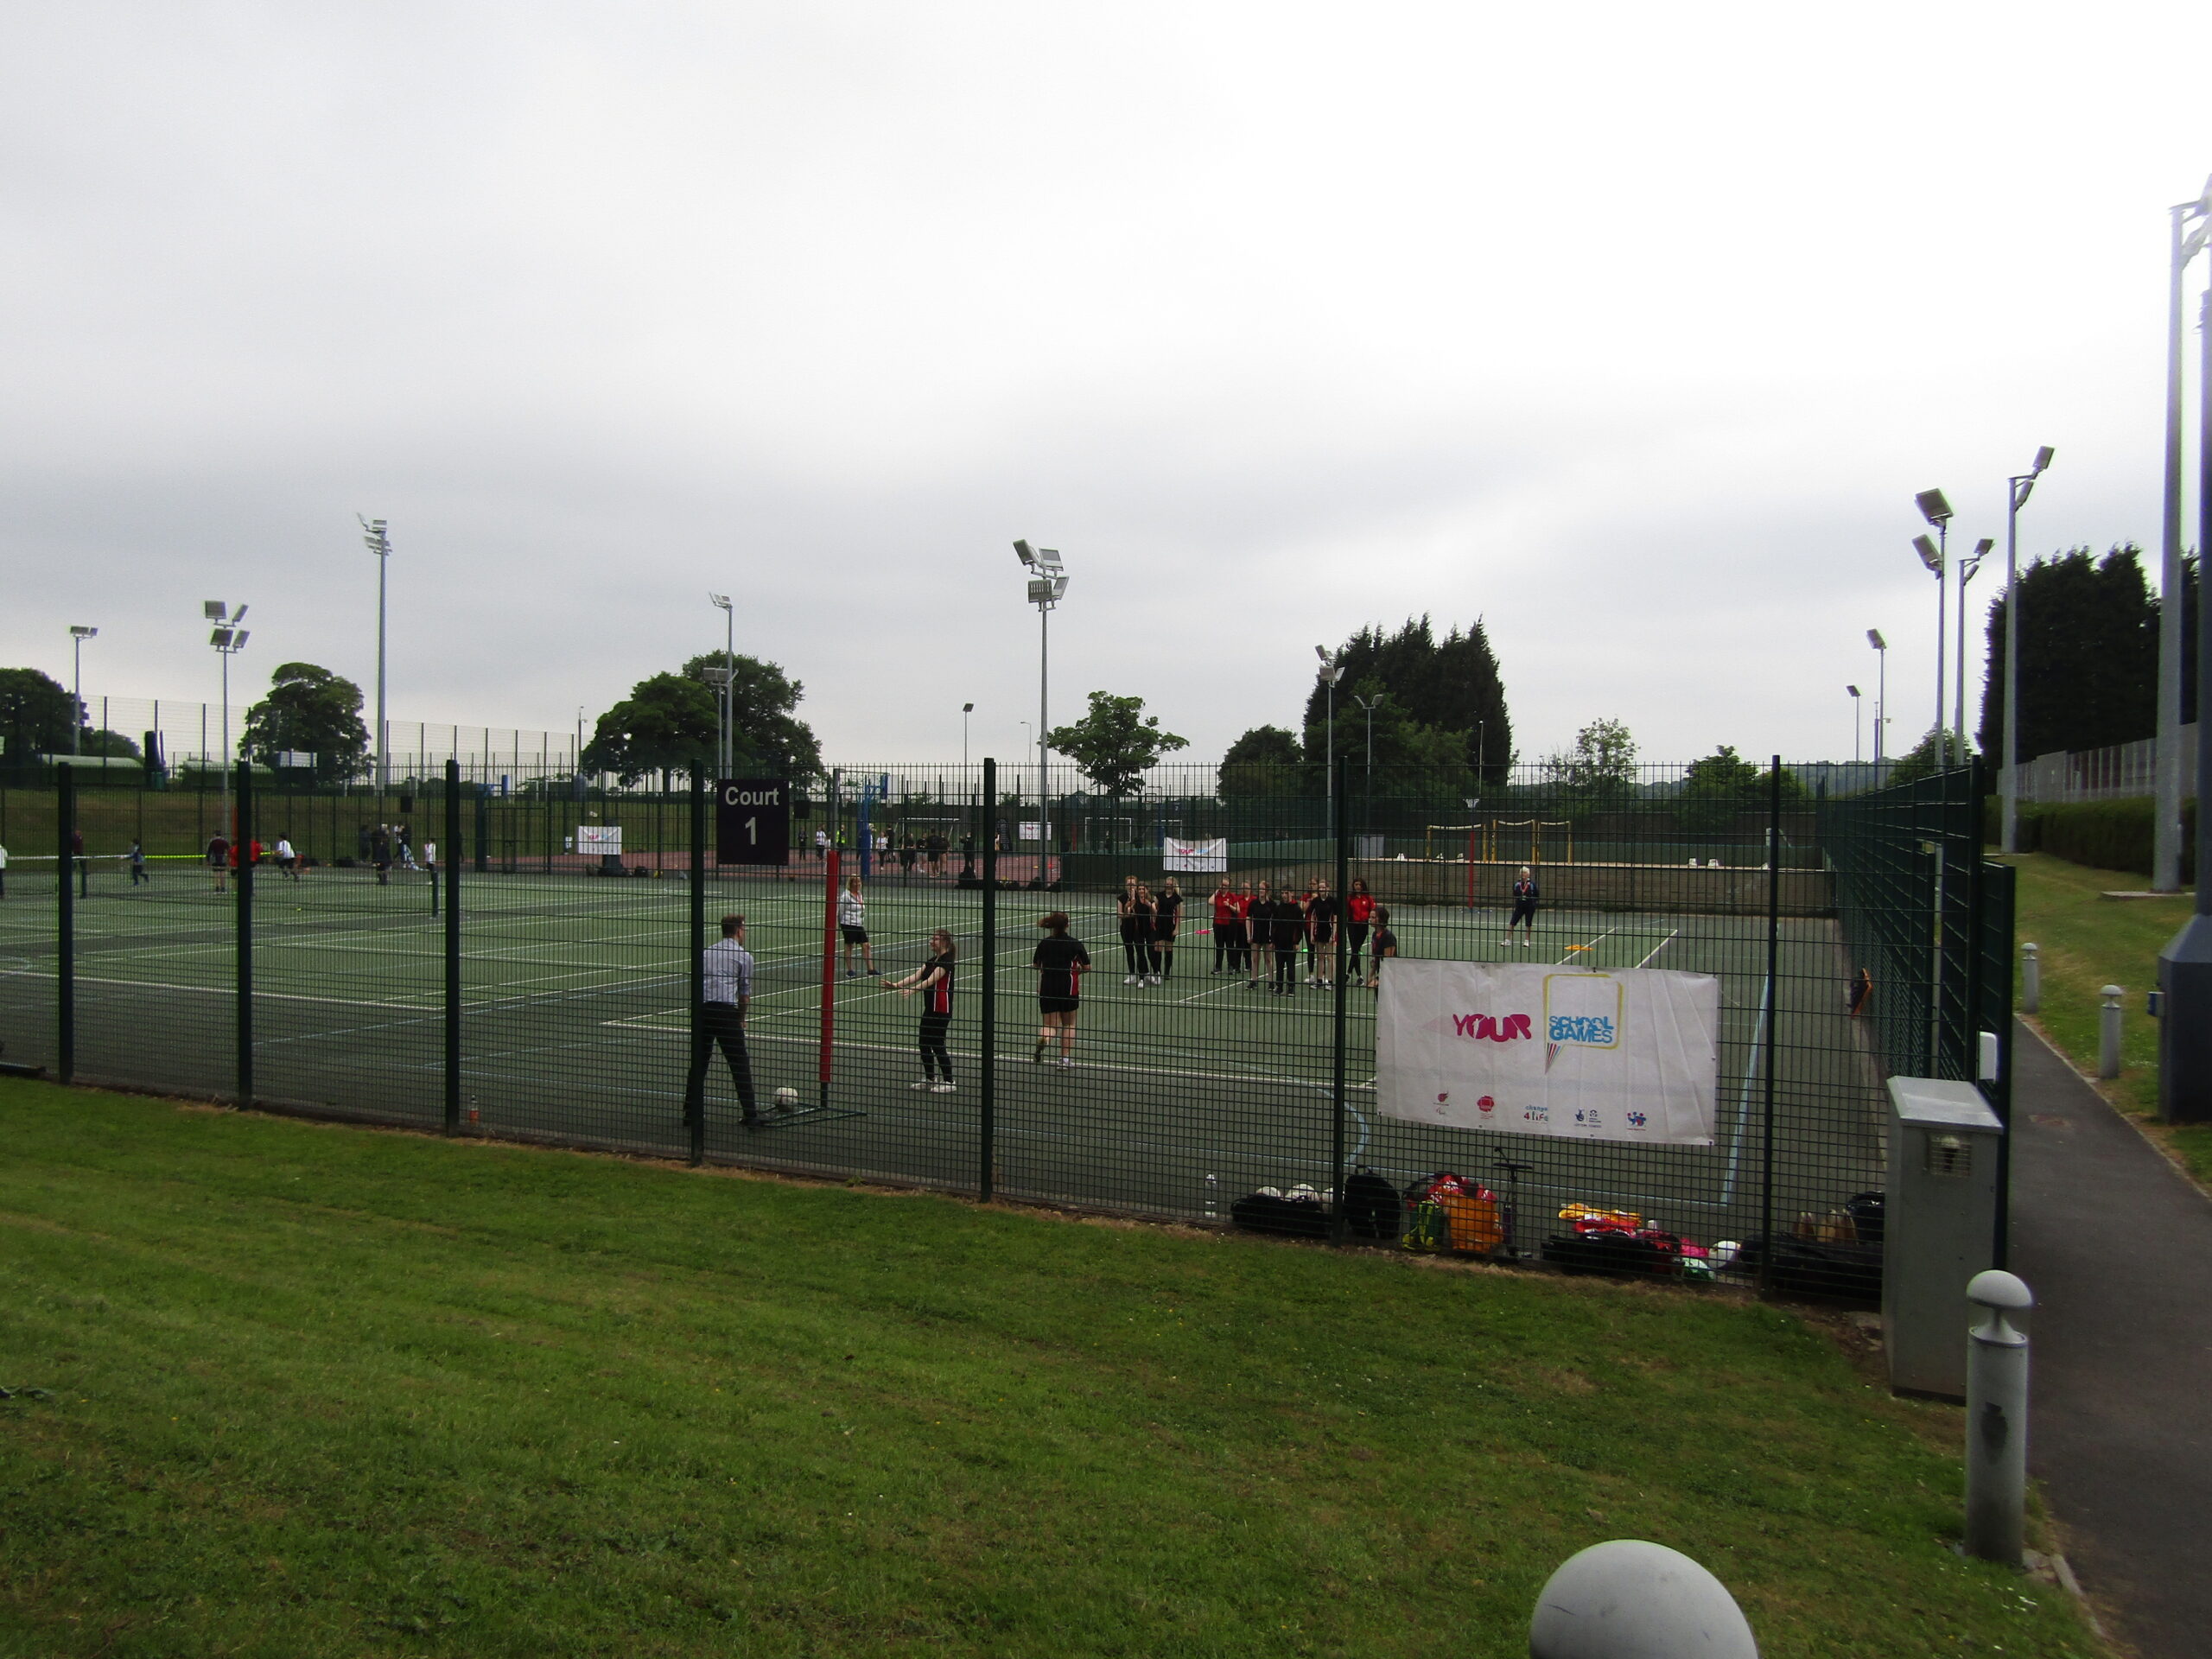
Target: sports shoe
(875,973)
(1152,979)
(945,1088)
(926,1082)
(1065,1062)
(852,973)
(1131,979)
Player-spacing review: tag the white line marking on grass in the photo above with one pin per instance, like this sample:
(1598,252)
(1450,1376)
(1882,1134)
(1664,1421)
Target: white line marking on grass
(1657,948)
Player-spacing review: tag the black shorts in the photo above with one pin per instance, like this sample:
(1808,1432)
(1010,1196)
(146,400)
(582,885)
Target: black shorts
(1524,910)
(853,935)
(1057,1004)
(1164,931)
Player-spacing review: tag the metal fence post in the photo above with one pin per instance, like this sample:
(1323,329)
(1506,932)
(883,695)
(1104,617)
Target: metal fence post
(1997,1419)
(2030,978)
(65,821)
(453,946)
(242,850)
(695,1096)
(987,1127)
(2108,1032)
(1340,827)
(1772,1015)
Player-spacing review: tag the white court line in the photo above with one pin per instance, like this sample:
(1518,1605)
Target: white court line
(1591,945)
(1657,948)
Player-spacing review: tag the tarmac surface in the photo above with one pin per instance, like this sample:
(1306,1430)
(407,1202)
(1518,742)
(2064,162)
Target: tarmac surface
(2117,1245)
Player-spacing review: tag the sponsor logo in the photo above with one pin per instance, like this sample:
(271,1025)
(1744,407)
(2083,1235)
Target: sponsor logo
(1588,1030)
(1497,1028)
(1486,1105)
(1537,1114)
(1589,1120)
(1637,1120)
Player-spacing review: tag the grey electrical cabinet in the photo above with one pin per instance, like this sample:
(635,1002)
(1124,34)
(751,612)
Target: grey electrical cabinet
(1939,1228)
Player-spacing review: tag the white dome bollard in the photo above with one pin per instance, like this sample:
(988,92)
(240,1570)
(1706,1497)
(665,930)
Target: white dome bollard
(1630,1599)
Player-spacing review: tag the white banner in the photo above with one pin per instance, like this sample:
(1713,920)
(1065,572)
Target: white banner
(1030,830)
(1203,857)
(1532,1049)
(600,838)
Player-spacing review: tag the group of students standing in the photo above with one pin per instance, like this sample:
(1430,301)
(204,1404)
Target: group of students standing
(1257,932)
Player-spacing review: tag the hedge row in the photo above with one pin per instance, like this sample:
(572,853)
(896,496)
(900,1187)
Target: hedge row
(2103,835)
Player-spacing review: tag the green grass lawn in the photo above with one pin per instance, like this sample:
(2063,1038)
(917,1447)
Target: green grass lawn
(325,1390)
(2087,941)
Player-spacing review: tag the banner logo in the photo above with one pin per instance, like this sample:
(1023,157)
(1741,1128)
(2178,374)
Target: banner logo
(1497,1029)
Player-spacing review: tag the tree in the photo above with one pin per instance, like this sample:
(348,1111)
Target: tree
(1451,686)
(1265,761)
(1920,761)
(36,715)
(309,709)
(1722,785)
(771,741)
(666,724)
(2088,654)
(1599,773)
(1116,743)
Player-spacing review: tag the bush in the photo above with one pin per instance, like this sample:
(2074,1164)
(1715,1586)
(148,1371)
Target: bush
(2103,835)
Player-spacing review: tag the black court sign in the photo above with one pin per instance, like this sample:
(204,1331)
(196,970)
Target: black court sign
(753,821)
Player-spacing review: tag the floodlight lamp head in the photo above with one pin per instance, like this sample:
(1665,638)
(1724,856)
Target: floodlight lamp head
(1874,638)
(82,633)
(1322,652)
(720,601)
(1928,555)
(1982,547)
(1025,553)
(220,638)
(1852,690)
(1933,507)
(214,609)
(238,644)
(239,615)
(967,708)
(2043,460)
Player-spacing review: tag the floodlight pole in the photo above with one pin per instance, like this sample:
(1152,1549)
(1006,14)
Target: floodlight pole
(725,747)
(1330,672)
(2018,488)
(378,543)
(1881,694)
(1937,511)
(2165,832)
(966,709)
(1858,726)
(78,635)
(1967,567)
(1048,581)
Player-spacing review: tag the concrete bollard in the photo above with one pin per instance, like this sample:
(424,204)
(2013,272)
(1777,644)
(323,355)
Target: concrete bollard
(2108,1019)
(1997,1419)
(2030,980)
(1630,1599)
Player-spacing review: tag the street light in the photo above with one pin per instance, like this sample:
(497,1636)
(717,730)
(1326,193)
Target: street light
(2165,834)
(77,637)
(1048,581)
(228,639)
(1857,726)
(1367,706)
(1937,511)
(1328,673)
(728,745)
(374,538)
(2017,489)
(1967,565)
(1881,693)
(966,709)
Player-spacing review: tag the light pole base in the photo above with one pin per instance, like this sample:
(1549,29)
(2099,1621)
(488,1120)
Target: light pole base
(2185,1025)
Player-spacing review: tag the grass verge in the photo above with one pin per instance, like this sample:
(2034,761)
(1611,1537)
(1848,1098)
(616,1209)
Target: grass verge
(2087,941)
(321,1390)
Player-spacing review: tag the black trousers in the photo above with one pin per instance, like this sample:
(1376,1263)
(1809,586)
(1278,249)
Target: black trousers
(1286,965)
(936,1057)
(718,1023)
(1354,942)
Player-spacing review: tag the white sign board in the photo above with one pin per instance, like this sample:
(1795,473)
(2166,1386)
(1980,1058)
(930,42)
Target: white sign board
(600,838)
(1535,1049)
(1030,831)
(1204,857)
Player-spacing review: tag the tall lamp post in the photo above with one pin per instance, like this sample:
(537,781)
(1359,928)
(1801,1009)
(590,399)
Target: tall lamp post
(1048,583)
(1967,565)
(726,751)
(1881,694)
(1328,673)
(1857,726)
(2165,833)
(966,709)
(373,537)
(228,639)
(1367,706)
(2017,489)
(1937,511)
(78,635)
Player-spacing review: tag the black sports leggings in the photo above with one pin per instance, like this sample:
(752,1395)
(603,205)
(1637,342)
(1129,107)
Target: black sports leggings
(936,1057)
(1354,942)
(1286,965)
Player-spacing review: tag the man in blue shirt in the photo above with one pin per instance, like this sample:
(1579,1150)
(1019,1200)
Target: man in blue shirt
(728,967)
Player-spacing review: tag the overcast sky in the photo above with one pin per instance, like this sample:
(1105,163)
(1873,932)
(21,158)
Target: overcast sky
(1629,330)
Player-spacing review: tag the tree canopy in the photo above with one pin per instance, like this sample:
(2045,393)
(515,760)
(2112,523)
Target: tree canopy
(309,709)
(1265,761)
(669,723)
(1429,687)
(1599,773)
(2088,654)
(36,713)
(1723,784)
(1115,743)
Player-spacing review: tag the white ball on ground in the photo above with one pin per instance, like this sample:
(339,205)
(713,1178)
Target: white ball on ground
(786,1097)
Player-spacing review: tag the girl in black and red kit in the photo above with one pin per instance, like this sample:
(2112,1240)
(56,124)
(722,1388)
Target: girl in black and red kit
(1359,913)
(933,979)
(1166,917)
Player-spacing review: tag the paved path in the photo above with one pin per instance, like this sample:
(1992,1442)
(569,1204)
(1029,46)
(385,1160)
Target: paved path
(2117,1247)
